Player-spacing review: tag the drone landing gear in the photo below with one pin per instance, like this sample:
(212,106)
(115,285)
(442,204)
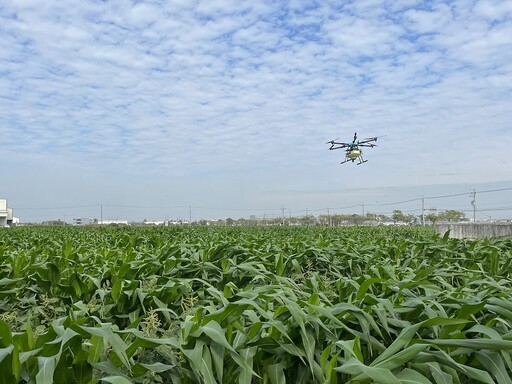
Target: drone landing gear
(362,161)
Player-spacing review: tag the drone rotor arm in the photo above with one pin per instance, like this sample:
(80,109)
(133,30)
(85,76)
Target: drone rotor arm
(340,146)
(336,144)
(369,140)
(369,145)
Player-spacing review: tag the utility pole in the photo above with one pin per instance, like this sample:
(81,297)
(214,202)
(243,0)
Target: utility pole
(328,217)
(473,203)
(190,215)
(101,214)
(283,214)
(362,205)
(422,210)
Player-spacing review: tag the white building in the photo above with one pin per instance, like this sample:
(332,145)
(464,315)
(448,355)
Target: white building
(6,214)
(84,221)
(113,222)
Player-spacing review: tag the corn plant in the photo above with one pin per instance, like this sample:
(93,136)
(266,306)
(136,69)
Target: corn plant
(253,305)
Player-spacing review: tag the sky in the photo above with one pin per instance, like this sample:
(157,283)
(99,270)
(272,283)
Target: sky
(222,108)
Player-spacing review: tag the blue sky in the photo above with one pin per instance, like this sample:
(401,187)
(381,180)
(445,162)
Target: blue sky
(226,105)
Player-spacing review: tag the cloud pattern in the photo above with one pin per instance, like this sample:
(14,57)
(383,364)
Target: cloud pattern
(220,89)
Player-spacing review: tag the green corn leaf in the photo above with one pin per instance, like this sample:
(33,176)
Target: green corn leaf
(279,266)
(118,345)
(116,380)
(254,330)
(361,292)
(231,310)
(447,361)
(5,352)
(494,364)
(293,350)
(476,344)
(439,375)
(400,342)
(276,373)
(107,367)
(215,332)
(46,370)
(8,361)
(246,373)
(409,376)
(324,357)
(205,366)
(117,289)
(7,281)
(5,334)
(195,359)
(358,370)
(82,370)
(488,331)
(53,273)
(350,349)
(330,373)
(16,363)
(140,369)
(26,356)
(217,352)
(401,357)
(96,349)
(308,341)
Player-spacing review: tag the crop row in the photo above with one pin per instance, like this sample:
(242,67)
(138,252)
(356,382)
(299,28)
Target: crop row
(253,305)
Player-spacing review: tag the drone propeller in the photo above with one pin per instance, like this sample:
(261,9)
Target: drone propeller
(332,141)
(374,138)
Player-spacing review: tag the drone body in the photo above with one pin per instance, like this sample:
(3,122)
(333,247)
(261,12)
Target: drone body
(353,151)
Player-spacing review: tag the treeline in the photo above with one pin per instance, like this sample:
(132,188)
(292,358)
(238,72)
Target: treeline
(370,218)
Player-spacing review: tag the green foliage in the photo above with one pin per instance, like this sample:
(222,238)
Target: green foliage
(253,305)
(445,216)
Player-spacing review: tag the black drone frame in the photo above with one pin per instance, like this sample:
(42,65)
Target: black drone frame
(368,142)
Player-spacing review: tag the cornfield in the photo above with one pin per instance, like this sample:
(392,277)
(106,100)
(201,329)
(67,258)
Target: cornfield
(253,305)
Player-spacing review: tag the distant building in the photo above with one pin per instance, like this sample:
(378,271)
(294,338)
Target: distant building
(6,214)
(84,221)
(155,223)
(113,222)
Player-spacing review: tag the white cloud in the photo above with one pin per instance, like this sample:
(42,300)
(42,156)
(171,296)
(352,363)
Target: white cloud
(429,21)
(494,10)
(235,92)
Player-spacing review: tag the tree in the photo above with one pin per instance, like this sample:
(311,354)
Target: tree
(452,215)
(400,217)
(355,219)
(371,217)
(432,217)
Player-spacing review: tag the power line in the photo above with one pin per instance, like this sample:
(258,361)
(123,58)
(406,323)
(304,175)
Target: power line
(395,203)
(495,190)
(445,196)
(328,209)
(55,208)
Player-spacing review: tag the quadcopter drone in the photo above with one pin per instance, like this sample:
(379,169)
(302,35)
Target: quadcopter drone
(353,151)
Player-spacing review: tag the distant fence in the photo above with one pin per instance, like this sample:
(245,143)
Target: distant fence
(473,231)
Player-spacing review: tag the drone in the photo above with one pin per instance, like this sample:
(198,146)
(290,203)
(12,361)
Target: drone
(353,151)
